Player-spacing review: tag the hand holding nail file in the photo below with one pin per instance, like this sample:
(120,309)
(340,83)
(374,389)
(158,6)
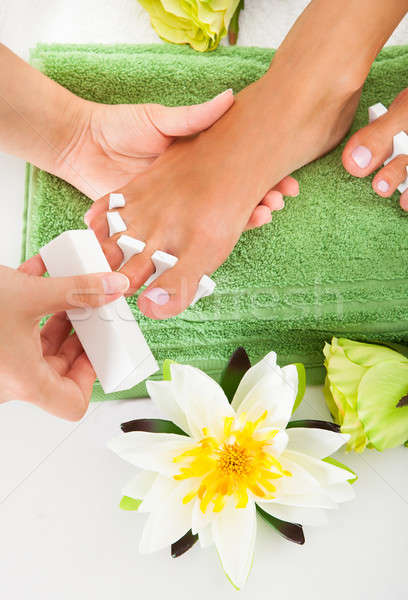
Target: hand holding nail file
(109,334)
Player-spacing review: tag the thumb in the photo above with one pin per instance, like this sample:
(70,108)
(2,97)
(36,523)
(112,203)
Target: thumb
(52,294)
(187,120)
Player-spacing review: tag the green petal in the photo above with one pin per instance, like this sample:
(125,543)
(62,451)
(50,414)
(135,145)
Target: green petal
(344,374)
(330,401)
(238,365)
(367,355)
(354,428)
(314,424)
(337,463)
(128,503)
(381,389)
(301,385)
(183,544)
(151,425)
(290,531)
(166,369)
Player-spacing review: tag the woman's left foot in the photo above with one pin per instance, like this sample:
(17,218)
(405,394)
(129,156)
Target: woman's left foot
(367,150)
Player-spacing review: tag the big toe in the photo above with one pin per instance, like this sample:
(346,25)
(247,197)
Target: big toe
(369,147)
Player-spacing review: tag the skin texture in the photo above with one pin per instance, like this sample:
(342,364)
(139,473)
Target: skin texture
(229,168)
(57,376)
(377,139)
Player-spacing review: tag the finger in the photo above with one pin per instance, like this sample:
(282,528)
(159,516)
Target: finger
(187,120)
(54,332)
(69,351)
(53,294)
(33,266)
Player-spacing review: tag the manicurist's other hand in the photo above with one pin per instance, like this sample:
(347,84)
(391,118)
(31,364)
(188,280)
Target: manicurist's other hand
(48,366)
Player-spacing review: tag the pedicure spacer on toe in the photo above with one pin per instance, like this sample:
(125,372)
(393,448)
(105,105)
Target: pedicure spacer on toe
(109,334)
(129,246)
(400,140)
(162,262)
(206,287)
(116,201)
(115,222)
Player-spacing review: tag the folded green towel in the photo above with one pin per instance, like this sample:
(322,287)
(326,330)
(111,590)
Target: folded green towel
(333,262)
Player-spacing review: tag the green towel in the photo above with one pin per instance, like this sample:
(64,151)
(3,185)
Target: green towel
(333,262)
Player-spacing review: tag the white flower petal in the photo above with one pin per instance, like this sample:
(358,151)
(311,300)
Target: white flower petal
(163,395)
(300,481)
(295,514)
(278,443)
(290,373)
(201,399)
(340,492)
(140,485)
(317,499)
(234,533)
(162,487)
(319,443)
(252,376)
(272,394)
(325,473)
(205,537)
(151,451)
(201,520)
(168,523)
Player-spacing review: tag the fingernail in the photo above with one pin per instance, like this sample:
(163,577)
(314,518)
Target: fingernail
(86,217)
(362,156)
(158,296)
(115,283)
(383,186)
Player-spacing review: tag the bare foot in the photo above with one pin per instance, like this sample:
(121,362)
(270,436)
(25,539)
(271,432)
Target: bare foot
(199,196)
(369,147)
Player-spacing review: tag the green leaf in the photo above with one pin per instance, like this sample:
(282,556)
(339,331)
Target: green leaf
(183,544)
(151,425)
(314,424)
(337,463)
(128,503)
(290,531)
(238,365)
(166,369)
(301,385)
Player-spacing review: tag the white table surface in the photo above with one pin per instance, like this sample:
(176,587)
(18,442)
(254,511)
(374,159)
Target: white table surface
(61,533)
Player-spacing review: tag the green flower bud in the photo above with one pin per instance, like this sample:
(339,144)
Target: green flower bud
(200,23)
(366,390)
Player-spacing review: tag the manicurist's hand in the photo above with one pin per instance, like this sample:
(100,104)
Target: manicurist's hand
(48,367)
(99,148)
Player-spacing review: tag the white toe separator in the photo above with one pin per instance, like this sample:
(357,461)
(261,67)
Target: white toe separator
(206,287)
(400,141)
(116,201)
(109,334)
(130,246)
(115,222)
(164,261)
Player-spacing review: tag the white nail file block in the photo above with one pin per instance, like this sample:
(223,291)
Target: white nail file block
(162,261)
(400,141)
(130,246)
(115,222)
(206,287)
(109,334)
(116,201)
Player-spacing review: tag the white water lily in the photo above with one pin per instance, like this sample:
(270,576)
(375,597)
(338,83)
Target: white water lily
(233,457)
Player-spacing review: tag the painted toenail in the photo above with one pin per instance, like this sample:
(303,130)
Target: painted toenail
(158,296)
(362,156)
(383,186)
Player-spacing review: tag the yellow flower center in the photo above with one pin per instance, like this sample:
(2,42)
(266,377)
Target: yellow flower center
(242,462)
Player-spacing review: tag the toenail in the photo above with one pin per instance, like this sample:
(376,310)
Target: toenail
(158,296)
(87,219)
(362,156)
(383,186)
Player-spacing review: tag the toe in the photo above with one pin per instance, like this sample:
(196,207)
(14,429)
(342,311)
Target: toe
(404,200)
(99,225)
(369,147)
(288,186)
(260,216)
(113,253)
(172,292)
(391,176)
(274,200)
(138,269)
(99,207)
